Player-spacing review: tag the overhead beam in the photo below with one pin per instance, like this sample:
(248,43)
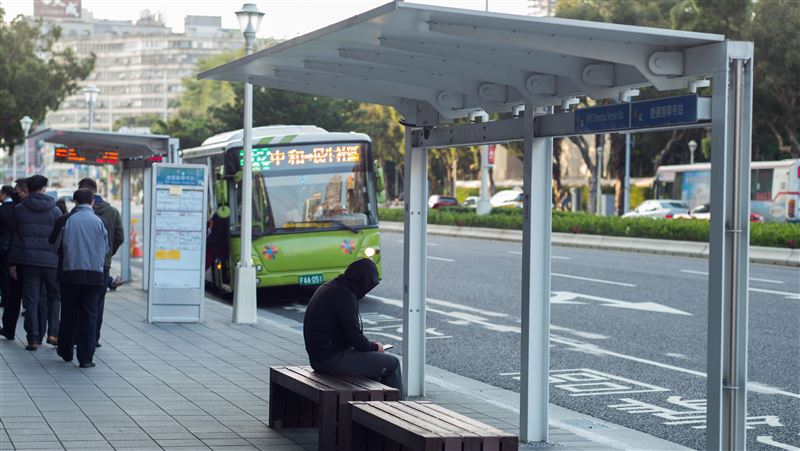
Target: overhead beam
(630,53)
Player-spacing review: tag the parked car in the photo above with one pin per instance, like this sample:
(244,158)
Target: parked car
(506,198)
(659,208)
(703,212)
(471,202)
(437,201)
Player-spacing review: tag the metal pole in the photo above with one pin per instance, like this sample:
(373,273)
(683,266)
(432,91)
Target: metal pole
(13,164)
(484,206)
(91,114)
(244,301)
(415,266)
(147,219)
(27,168)
(626,197)
(691,155)
(125,270)
(599,188)
(535,353)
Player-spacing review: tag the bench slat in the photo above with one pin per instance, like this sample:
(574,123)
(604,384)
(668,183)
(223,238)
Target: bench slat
(345,390)
(477,426)
(452,439)
(295,382)
(396,429)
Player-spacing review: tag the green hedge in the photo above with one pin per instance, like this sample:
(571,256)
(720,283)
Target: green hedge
(761,234)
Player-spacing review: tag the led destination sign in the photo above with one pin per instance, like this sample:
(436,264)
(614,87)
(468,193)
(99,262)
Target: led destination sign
(307,156)
(85,156)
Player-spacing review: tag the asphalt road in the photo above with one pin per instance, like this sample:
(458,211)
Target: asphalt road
(628,334)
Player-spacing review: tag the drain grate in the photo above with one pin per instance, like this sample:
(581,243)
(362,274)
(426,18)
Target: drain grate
(583,423)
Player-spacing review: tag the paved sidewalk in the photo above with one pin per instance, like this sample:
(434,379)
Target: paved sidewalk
(204,386)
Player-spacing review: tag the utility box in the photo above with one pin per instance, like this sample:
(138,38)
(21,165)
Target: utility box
(608,205)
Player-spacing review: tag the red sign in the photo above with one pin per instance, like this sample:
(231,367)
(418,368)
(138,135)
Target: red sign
(64,9)
(490,156)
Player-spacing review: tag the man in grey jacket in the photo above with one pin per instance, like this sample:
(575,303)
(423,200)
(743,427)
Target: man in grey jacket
(33,220)
(83,243)
(116,235)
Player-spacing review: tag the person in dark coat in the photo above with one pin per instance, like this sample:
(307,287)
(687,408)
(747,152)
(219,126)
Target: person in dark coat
(333,333)
(116,236)
(14,302)
(6,229)
(83,244)
(33,221)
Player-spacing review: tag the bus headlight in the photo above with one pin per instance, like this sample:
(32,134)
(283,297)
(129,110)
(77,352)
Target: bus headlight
(370,252)
(259,268)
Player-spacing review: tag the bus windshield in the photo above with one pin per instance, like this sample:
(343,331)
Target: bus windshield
(311,187)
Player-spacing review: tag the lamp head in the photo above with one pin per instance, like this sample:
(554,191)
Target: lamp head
(249,18)
(26,122)
(692,145)
(90,93)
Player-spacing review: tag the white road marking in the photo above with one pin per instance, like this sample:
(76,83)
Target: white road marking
(566,297)
(466,308)
(429,244)
(766,389)
(787,294)
(754,279)
(589,279)
(441,259)
(767,440)
(554,257)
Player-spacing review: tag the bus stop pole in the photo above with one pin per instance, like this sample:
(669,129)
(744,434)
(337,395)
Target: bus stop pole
(729,241)
(535,353)
(147,219)
(125,256)
(414,266)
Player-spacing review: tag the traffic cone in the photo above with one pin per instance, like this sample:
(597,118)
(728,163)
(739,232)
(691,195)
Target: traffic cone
(136,245)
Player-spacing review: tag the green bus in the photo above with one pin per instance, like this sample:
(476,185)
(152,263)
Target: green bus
(315,204)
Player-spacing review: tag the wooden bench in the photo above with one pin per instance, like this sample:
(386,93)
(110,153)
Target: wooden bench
(301,397)
(420,425)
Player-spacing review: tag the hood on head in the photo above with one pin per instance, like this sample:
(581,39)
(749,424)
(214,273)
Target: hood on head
(101,207)
(361,276)
(39,202)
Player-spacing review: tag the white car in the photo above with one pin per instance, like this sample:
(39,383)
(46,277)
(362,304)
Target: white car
(505,198)
(659,208)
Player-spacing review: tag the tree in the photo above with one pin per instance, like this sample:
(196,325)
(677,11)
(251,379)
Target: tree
(34,76)
(382,124)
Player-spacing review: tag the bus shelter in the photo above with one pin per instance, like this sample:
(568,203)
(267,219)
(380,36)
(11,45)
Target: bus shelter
(128,152)
(437,66)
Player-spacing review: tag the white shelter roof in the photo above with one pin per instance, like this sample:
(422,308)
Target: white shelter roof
(421,58)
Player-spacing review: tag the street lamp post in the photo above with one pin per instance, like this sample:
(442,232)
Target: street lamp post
(692,147)
(244,297)
(25,122)
(90,94)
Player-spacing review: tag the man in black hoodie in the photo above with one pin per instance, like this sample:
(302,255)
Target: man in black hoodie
(333,334)
(33,221)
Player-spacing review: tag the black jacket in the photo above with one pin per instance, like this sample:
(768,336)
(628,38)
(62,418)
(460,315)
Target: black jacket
(6,225)
(332,323)
(33,221)
(113,222)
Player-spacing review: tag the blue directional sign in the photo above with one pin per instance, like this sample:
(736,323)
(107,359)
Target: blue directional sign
(602,118)
(666,111)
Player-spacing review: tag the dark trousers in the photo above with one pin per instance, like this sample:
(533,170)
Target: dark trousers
(101,303)
(79,320)
(12,305)
(40,297)
(5,286)
(379,366)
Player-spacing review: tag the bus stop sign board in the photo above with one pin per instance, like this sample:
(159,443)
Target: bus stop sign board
(664,112)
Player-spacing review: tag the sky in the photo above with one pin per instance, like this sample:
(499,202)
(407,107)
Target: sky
(283,19)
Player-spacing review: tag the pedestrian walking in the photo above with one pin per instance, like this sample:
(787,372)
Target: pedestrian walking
(82,241)
(13,303)
(116,235)
(6,229)
(34,219)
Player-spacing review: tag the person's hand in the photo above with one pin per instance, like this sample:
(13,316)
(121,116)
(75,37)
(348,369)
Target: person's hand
(380,346)
(12,272)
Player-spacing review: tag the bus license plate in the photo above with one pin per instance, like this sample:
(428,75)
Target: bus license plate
(311,279)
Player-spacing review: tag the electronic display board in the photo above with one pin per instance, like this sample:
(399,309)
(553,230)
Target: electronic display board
(86,156)
(334,156)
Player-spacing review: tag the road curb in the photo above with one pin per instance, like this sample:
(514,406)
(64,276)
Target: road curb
(758,254)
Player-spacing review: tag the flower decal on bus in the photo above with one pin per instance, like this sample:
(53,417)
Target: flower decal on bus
(270,251)
(348,246)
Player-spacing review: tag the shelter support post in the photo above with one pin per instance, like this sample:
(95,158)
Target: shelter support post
(729,237)
(537,176)
(414,267)
(125,256)
(147,219)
